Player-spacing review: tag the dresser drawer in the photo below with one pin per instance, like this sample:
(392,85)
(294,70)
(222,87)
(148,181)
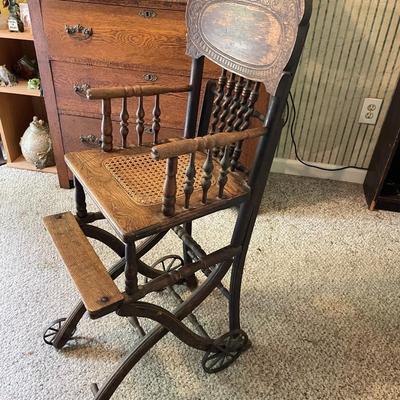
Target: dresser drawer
(75,127)
(120,35)
(66,76)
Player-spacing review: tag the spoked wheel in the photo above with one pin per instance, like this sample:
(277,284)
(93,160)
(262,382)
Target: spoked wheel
(172,262)
(51,332)
(225,351)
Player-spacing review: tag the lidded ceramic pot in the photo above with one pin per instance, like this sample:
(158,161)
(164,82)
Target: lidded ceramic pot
(36,144)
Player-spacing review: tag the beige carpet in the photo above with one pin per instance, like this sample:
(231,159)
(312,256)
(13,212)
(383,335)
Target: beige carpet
(321,303)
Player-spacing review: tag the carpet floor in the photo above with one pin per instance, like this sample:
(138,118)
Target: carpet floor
(321,303)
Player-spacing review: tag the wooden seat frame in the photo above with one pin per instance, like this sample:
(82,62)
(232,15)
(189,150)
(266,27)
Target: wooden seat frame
(279,27)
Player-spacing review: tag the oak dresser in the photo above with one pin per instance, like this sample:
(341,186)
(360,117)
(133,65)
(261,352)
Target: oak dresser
(92,43)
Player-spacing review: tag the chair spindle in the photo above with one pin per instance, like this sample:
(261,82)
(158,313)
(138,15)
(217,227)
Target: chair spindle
(169,199)
(208,167)
(250,106)
(222,81)
(190,179)
(240,120)
(124,117)
(218,100)
(227,100)
(140,114)
(156,119)
(223,174)
(235,104)
(106,126)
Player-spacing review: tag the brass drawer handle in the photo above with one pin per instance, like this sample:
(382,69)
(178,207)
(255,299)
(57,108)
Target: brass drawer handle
(79,32)
(148,130)
(81,89)
(148,14)
(90,140)
(150,77)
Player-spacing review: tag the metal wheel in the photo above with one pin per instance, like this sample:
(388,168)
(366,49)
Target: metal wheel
(172,262)
(225,351)
(51,332)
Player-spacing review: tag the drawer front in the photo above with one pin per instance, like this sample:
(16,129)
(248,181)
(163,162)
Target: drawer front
(66,76)
(131,36)
(74,128)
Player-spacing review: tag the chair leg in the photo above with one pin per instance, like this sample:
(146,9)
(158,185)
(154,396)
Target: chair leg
(191,282)
(80,200)
(146,343)
(235,292)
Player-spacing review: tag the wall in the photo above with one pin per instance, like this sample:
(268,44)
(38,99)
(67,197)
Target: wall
(352,52)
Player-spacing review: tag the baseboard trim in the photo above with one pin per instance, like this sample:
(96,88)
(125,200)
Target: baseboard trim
(293,167)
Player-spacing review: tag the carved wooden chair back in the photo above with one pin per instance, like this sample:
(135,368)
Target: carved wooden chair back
(255,42)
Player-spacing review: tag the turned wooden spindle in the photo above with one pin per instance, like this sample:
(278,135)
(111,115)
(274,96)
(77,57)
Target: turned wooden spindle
(250,106)
(226,103)
(243,106)
(218,100)
(156,119)
(140,114)
(124,117)
(240,119)
(190,179)
(106,126)
(217,106)
(169,199)
(235,104)
(224,171)
(208,167)
(131,269)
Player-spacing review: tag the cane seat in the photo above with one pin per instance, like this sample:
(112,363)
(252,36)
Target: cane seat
(127,186)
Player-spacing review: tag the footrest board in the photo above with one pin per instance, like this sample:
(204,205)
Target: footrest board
(98,291)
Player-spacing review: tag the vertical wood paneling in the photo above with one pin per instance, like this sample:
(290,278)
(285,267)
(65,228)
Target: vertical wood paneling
(353,52)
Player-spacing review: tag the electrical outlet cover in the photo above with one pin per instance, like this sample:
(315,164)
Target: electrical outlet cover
(370,111)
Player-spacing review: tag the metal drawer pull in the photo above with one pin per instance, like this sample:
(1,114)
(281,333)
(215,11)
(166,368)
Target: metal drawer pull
(148,130)
(79,32)
(147,14)
(90,140)
(150,77)
(80,89)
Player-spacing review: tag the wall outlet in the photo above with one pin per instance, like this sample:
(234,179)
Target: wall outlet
(370,111)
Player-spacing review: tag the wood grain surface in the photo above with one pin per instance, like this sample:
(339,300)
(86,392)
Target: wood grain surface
(76,126)
(98,291)
(120,36)
(131,220)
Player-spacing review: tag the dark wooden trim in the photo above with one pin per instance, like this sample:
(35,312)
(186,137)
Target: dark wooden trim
(386,147)
(47,85)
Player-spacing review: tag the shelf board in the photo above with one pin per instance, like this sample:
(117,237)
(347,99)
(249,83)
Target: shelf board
(21,88)
(21,163)
(6,34)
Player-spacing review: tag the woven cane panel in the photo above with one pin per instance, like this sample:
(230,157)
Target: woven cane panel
(143,178)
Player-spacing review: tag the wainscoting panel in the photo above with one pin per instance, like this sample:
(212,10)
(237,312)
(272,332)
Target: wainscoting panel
(352,52)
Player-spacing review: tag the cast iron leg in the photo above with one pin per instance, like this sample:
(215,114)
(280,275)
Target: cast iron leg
(145,344)
(235,291)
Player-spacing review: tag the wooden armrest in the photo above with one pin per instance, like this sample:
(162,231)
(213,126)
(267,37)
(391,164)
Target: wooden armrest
(188,146)
(134,91)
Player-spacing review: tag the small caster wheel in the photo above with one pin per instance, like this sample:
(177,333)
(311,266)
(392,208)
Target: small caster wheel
(51,332)
(225,351)
(94,388)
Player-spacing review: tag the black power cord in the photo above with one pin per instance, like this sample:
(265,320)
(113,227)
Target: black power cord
(291,129)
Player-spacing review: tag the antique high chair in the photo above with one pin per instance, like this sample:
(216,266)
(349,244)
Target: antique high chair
(255,42)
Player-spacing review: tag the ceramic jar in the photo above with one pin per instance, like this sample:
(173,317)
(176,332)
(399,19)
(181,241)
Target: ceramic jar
(36,144)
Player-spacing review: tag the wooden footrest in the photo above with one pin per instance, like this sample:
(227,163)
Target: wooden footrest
(98,291)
